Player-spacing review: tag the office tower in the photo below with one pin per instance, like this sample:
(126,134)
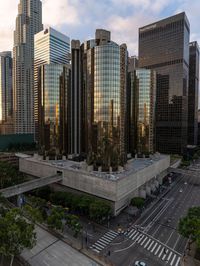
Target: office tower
(54,81)
(75,99)
(193,92)
(164,47)
(132,63)
(105,82)
(50,47)
(144,86)
(6,93)
(28,23)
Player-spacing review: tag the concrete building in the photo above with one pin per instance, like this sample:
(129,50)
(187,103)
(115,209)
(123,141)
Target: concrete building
(164,47)
(193,94)
(140,177)
(6,90)
(28,23)
(50,47)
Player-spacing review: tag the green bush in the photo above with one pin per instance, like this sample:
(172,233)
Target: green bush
(137,202)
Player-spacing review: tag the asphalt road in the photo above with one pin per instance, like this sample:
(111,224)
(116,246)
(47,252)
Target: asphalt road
(154,238)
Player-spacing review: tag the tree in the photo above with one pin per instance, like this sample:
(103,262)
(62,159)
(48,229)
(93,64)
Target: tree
(54,220)
(33,214)
(137,202)
(99,210)
(16,234)
(73,222)
(189,226)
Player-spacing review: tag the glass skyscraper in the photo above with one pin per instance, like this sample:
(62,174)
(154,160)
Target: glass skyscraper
(51,47)
(105,80)
(164,47)
(54,82)
(145,99)
(193,94)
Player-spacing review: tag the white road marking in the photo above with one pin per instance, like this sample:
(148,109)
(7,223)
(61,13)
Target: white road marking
(173,260)
(157,249)
(147,243)
(143,241)
(178,260)
(141,237)
(154,247)
(150,245)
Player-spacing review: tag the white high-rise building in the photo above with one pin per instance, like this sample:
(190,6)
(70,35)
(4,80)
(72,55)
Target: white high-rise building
(28,23)
(50,47)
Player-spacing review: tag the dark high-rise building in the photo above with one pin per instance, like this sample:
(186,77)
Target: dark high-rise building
(54,81)
(105,89)
(141,113)
(193,92)
(164,47)
(75,125)
(6,91)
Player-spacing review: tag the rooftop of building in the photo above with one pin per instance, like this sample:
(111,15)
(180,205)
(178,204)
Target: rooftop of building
(165,21)
(133,166)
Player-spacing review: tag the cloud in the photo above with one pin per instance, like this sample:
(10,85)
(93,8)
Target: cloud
(79,18)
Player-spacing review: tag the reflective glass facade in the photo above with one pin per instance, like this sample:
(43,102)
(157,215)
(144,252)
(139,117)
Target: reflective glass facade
(54,85)
(193,94)
(164,47)
(145,81)
(105,82)
(50,47)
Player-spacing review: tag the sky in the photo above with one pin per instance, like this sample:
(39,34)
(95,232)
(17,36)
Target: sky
(79,18)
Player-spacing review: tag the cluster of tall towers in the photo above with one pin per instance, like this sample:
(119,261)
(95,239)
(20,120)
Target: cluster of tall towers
(95,101)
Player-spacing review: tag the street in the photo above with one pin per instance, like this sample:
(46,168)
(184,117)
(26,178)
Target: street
(154,238)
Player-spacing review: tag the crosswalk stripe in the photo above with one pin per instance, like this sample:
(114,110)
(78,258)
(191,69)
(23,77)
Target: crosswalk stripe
(143,241)
(157,249)
(107,237)
(165,254)
(113,233)
(100,240)
(132,233)
(150,245)
(135,236)
(99,245)
(161,252)
(147,243)
(154,247)
(138,237)
(173,260)
(141,237)
(178,260)
(170,254)
(96,250)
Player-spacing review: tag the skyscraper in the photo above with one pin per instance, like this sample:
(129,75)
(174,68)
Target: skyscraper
(54,81)
(144,102)
(105,80)
(76,100)
(50,47)
(193,93)
(6,90)
(28,23)
(164,46)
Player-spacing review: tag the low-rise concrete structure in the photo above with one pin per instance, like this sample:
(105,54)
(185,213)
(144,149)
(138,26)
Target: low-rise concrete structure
(138,178)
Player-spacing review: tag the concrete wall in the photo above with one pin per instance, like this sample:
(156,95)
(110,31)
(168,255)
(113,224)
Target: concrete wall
(119,191)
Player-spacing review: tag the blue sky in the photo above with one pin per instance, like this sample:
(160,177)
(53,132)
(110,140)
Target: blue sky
(79,18)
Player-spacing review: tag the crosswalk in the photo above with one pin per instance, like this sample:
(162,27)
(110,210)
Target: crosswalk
(154,246)
(104,241)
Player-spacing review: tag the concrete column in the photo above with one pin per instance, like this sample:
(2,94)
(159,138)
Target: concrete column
(142,193)
(148,190)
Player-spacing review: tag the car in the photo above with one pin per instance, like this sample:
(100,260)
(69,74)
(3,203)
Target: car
(140,263)
(180,190)
(185,183)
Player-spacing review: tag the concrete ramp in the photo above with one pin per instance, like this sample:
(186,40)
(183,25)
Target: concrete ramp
(29,185)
